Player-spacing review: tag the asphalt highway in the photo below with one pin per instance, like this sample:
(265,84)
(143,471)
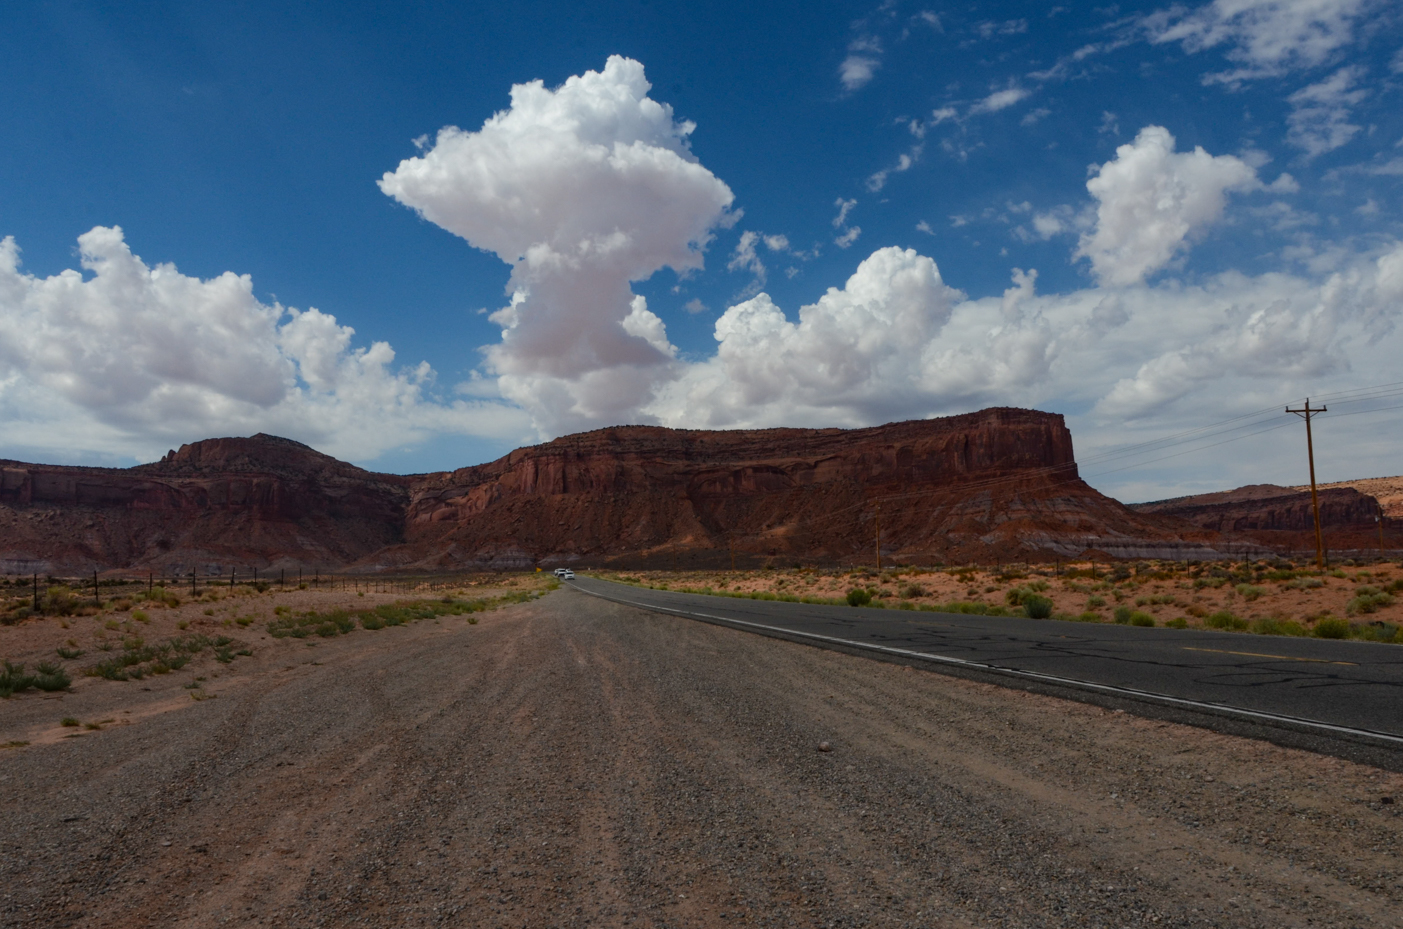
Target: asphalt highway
(1356,687)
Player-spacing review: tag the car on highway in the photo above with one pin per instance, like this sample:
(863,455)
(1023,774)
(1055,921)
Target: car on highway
(560,572)
(568,575)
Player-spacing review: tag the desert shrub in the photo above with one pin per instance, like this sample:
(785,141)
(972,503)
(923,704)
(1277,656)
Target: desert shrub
(1306,583)
(160,595)
(60,601)
(1087,617)
(912,591)
(51,677)
(1379,632)
(1179,622)
(1215,582)
(1249,592)
(1138,618)
(1037,606)
(859,597)
(1121,614)
(1331,628)
(1224,620)
(1368,599)
(141,616)
(138,659)
(1095,601)
(14,679)
(69,654)
(1273,626)
(69,722)
(972,608)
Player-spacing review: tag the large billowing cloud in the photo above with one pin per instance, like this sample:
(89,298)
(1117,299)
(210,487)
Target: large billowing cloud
(896,342)
(136,358)
(582,190)
(1151,200)
(876,350)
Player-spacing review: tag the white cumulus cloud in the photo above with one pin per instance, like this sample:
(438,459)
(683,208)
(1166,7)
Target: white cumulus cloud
(1151,200)
(582,190)
(134,358)
(852,357)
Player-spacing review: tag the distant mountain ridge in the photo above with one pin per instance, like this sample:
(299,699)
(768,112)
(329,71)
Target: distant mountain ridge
(999,484)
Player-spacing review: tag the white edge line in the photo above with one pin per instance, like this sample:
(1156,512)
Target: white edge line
(1015,672)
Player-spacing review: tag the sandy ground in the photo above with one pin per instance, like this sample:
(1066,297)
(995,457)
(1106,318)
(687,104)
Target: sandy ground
(1165,591)
(238,612)
(571,762)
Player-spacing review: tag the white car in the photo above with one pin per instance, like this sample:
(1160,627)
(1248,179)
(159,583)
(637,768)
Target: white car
(568,575)
(560,572)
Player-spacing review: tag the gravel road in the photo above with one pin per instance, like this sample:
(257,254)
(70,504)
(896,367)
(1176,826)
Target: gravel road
(573,762)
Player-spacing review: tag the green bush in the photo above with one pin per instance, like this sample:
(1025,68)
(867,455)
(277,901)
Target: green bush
(972,608)
(1331,628)
(1121,614)
(51,677)
(139,659)
(1180,622)
(1224,620)
(1037,606)
(1368,599)
(1273,626)
(913,591)
(13,679)
(1138,618)
(859,597)
(60,601)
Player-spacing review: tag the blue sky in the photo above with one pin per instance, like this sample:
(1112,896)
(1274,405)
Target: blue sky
(1150,218)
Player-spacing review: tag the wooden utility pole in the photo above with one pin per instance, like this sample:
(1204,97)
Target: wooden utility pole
(879,538)
(1306,413)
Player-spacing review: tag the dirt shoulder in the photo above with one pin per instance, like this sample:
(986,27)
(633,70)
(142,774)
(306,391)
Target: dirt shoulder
(570,762)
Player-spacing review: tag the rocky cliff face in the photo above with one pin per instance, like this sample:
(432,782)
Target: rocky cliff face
(998,483)
(1267,507)
(256,502)
(1281,517)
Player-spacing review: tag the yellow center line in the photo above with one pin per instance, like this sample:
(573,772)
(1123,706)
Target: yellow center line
(1223,651)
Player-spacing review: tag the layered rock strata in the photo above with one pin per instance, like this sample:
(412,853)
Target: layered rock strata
(1001,483)
(263,502)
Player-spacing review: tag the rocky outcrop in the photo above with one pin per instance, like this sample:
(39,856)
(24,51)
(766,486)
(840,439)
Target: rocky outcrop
(1267,507)
(1000,483)
(1282,517)
(997,484)
(262,502)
